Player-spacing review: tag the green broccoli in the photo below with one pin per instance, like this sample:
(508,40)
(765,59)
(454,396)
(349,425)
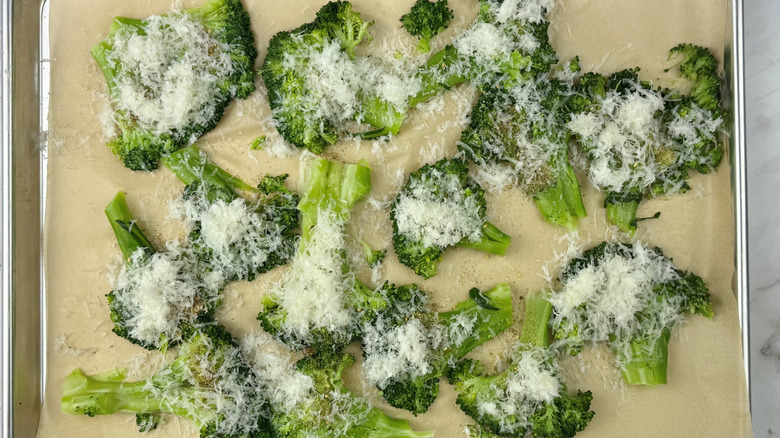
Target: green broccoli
(330,409)
(643,141)
(157,294)
(374,257)
(171,77)
(408,346)
(441,206)
(648,298)
(319,301)
(528,398)
(208,383)
(524,127)
(505,45)
(316,85)
(235,238)
(426,20)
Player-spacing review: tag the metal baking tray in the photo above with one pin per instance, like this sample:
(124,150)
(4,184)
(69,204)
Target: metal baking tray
(23,126)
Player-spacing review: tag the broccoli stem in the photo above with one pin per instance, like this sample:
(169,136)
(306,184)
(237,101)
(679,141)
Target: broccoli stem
(622,208)
(493,241)
(129,237)
(107,393)
(537,317)
(190,165)
(493,313)
(382,426)
(382,115)
(435,78)
(331,186)
(561,203)
(647,364)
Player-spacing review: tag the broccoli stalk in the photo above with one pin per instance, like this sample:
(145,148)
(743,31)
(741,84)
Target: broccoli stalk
(621,209)
(426,20)
(491,313)
(555,415)
(128,235)
(493,241)
(332,190)
(350,416)
(191,166)
(208,365)
(561,202)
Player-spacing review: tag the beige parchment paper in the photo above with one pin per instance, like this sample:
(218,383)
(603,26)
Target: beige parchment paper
(706,393)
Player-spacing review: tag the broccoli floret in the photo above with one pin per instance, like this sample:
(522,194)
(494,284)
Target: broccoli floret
(435,191)
(157,293)
(524,127)
(502,405)
(266,239)
(304,110)
(208,383)
(332,410)
(465,61)
(664,133)
(218,56)
(638,334)
(426,20)
(374,257)
(408,330)
(319,302)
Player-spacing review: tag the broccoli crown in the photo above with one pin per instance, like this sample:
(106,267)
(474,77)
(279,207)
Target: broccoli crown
(528,397)
(407,347)
(523,128)
(637,320)
(442,189)
(209,383)
(234,238)
(145,60)
(426,20)
(316,85)
(332,410)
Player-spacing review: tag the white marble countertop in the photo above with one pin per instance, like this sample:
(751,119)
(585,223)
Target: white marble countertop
(762,52)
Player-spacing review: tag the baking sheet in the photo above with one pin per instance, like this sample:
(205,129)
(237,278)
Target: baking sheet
(706,394)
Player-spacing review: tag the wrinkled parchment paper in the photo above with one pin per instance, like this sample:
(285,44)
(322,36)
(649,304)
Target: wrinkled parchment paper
(705,396)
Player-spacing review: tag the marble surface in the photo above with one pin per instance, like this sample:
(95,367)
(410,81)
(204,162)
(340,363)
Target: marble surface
(762,52)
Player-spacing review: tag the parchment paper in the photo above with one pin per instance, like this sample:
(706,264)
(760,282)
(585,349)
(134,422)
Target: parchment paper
(706,393)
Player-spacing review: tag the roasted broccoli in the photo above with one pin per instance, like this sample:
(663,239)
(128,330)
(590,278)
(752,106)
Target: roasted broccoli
(329,409)
(157,294)
(171,77)
(441,206)
(426,20)
(507,44)
(408,346)
(208,383)
(523,128)
(316,85)
(235,238)
(319,301)
(643,141)
(528,398)
(631,297)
